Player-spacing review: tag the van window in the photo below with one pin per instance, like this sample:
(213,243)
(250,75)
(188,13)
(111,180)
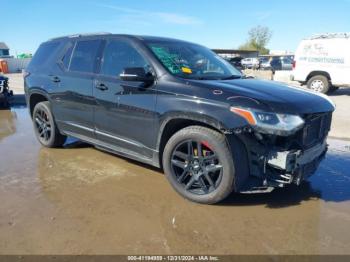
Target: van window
(44,52)
(119,55)
(84,56)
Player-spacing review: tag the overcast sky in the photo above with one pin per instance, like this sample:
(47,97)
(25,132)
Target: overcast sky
(216,24)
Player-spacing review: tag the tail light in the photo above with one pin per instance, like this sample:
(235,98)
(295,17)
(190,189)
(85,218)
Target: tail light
(294,63)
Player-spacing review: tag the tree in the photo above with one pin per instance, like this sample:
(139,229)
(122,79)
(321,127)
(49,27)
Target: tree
(258,38)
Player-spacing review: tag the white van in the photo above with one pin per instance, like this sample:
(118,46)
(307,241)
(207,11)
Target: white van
(323,62)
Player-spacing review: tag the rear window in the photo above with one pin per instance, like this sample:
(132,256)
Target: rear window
(67,56)
(84,56)
(44,52)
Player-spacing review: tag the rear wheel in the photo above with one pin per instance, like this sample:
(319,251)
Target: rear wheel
(45,127)
(319,84)
(198,164)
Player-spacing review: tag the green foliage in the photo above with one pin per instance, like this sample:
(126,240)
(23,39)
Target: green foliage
(258,38)
(21,56)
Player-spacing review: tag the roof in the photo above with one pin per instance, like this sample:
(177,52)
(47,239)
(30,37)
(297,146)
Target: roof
(3,46)
(140,37)
(329,36)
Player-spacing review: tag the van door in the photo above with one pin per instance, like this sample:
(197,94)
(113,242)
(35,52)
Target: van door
(339,61)
(74,100)
(125,111)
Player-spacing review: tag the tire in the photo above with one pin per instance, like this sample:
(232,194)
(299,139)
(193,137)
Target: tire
(319,84)
(45,128)
(223,173)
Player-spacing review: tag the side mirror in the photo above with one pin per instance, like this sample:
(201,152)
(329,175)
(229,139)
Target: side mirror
(136,74)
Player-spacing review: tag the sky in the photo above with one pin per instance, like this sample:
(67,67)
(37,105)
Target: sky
(215,24)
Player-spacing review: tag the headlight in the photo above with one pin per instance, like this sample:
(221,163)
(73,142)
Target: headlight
(270,123)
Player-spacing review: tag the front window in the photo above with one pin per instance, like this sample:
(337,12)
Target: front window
(119,55)
(192,61)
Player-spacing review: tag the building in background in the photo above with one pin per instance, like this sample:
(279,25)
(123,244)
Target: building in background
(280,53)
(4,50)
(231,53)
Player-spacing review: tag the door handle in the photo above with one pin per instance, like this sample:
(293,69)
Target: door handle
(101,86)
(55,79)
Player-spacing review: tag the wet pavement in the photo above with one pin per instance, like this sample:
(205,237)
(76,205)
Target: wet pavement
(79,200)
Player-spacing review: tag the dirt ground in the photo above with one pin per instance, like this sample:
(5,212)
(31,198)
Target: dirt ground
(79,200)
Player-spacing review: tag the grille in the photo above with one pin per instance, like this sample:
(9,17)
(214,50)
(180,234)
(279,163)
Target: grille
(2,85)
(316,129)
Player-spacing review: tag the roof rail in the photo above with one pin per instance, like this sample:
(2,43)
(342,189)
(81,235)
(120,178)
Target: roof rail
(80,35)
(330,35)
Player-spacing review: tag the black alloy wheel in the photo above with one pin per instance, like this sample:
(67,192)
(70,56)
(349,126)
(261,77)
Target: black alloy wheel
(199,165)
(45,127)
(196,167)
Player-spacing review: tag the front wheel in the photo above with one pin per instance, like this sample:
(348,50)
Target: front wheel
(45,127)
(199,165)
(319,84)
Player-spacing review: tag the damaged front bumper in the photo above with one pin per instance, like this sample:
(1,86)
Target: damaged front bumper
(275,161)
(271,166)
(295,165)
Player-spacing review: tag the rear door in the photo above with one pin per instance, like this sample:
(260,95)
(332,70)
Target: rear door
(74,100)
(124,115)
(41,68)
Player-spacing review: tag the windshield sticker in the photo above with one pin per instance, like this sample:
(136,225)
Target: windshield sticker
(167,59)
(186,70)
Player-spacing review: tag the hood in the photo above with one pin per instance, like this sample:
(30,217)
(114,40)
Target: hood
(261,94)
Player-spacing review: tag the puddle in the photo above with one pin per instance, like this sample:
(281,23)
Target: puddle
(79,200)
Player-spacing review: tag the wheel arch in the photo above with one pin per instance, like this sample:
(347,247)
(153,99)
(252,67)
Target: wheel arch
(171,125)
(36,97)
(234,143)
(316,73)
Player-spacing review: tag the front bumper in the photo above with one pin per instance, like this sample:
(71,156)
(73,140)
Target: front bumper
(2,85)
(5,93)
(271,165)
(293,166)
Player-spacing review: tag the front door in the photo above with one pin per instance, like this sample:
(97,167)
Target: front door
(124,114)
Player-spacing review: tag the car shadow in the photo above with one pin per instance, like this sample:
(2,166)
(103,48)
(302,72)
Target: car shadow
(343,91)
(290,195)
(17,100)
(73,143)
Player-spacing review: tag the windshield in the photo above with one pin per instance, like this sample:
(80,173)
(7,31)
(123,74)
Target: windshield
(192,61)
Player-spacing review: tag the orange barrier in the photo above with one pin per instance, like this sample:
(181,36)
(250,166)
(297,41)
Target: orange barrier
(4,67)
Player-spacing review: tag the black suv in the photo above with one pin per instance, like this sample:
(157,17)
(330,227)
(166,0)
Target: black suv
(5,92)
(178,106)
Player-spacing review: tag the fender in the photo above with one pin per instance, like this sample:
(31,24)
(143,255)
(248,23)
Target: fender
(38,90)
(228,127)
(35,91)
